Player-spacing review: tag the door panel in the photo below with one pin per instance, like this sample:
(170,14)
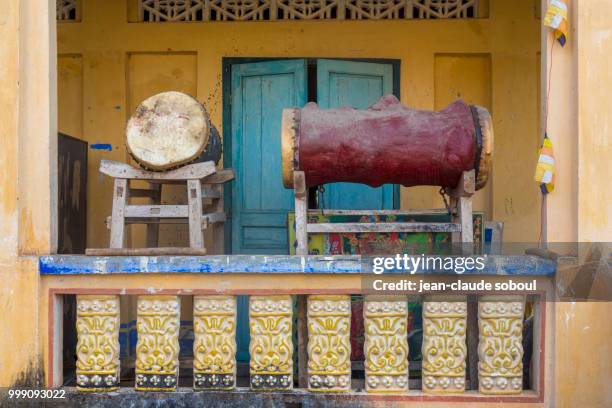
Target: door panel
(260,202)
(356,84)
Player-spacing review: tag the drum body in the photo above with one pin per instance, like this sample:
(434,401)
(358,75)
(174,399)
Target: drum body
(387,143)
(167,130)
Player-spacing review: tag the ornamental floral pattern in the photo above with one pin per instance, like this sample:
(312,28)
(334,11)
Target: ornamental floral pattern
(97,366)
(386,344)
(157,349)
(271,345)
(329,347)
(214,346)
(500,346)
(444,346)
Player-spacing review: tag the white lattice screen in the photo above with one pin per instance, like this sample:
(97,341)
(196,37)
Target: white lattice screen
(273,10)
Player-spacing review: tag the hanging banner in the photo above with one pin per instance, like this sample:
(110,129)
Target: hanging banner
(556,18)
(545,170)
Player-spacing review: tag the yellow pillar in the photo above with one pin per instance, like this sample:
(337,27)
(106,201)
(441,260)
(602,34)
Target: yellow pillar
(37,157)
(28,138)
(579,210)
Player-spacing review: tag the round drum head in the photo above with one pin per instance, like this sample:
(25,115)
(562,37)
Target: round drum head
(167,130)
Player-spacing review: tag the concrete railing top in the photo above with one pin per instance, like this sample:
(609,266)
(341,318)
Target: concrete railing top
(515,265)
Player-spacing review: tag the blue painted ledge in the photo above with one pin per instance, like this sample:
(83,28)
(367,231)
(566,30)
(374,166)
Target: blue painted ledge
(516,265)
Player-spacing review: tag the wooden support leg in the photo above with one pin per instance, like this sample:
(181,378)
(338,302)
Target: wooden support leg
(301,209)
(153,229)
(217,227)
(194,197)
(461,199)
(464,212)
(120,197)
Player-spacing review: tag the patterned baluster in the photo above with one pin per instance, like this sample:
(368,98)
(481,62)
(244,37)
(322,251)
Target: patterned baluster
(271,345)
(214,346)
(500,346)
(270,10)
(329,347)
(444,347)
(386,344)
(157,350)
(98,343)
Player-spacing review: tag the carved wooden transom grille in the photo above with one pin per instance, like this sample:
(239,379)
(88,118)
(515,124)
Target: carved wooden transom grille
(66,10)
(274,10)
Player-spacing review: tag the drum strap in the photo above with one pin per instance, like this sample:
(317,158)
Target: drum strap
(478,137)
(296,141)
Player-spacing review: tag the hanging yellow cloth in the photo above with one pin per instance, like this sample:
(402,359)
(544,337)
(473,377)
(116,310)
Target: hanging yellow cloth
(556,18)
(545,170)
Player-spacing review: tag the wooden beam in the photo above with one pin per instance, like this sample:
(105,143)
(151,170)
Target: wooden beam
(210,193)
(214,217)
(217,228)
(161,211)
(211,218)
(162,251)
(220,177)
(124,171)
(143,192)
(120,198)
(379,212)
(383,227)
(153,229)
(466,186)
(194,196)
(301,209)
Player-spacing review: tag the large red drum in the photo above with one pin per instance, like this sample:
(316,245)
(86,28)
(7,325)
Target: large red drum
(387,143)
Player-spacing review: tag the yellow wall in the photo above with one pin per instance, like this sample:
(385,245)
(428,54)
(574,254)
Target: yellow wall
(580,209)
(491,61)
(595,124)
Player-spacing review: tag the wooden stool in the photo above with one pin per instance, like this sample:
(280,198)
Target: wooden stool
(202,181)
(461,225)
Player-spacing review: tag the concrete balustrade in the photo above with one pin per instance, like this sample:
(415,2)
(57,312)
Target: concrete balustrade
(273,345)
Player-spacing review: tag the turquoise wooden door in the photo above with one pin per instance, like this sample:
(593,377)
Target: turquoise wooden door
(260,202)
(359,85)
